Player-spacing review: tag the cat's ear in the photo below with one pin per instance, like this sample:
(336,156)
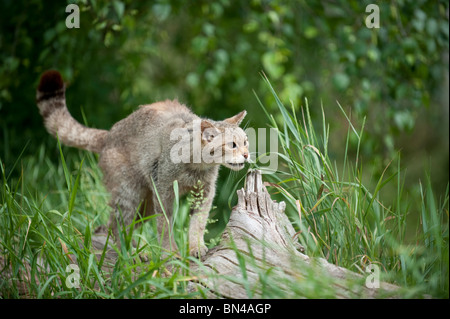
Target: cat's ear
(209,131)
(237,119)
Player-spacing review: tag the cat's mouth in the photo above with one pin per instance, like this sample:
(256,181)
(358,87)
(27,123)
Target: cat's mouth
(235,166)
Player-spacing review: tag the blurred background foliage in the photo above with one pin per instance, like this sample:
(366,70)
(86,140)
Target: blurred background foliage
(209,55)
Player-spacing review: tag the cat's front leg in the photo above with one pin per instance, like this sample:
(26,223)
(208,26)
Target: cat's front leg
(197,225)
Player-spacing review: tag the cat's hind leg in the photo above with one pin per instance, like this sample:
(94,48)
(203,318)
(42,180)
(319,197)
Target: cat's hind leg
(126,201)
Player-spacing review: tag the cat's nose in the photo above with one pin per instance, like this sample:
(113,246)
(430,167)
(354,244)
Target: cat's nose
(245,155)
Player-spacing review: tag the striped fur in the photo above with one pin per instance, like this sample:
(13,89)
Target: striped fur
(51,101)
(135,157)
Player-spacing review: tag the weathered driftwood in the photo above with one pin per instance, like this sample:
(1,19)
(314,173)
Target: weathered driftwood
(259,240)
(260,233)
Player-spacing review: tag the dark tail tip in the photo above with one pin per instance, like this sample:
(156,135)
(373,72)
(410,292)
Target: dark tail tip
(51,81)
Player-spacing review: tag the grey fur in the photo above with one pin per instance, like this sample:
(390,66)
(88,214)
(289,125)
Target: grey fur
(135,156)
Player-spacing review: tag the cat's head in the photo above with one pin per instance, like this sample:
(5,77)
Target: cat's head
(224,142)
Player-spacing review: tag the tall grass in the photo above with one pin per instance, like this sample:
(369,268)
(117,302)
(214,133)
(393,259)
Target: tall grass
(340,218)
(47,219)
(49,214)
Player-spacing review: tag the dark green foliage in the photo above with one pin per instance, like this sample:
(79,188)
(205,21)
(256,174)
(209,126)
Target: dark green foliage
(127,53)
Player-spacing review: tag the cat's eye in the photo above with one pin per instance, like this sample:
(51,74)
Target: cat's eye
(232,145)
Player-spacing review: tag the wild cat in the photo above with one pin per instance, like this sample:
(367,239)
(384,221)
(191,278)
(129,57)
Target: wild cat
(151,148)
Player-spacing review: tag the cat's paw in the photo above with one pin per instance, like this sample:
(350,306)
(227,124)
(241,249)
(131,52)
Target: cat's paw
(198,251)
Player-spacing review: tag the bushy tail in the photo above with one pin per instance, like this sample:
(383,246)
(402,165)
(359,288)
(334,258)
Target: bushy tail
(51,101)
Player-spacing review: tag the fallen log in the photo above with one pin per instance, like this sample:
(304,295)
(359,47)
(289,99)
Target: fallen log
(258,240)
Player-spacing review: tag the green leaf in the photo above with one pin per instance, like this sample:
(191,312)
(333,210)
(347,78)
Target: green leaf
(162,11)
(341,81)
(311,32)
(119,7)
(271,63)
(109,38)
(432,27)
(192,80)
